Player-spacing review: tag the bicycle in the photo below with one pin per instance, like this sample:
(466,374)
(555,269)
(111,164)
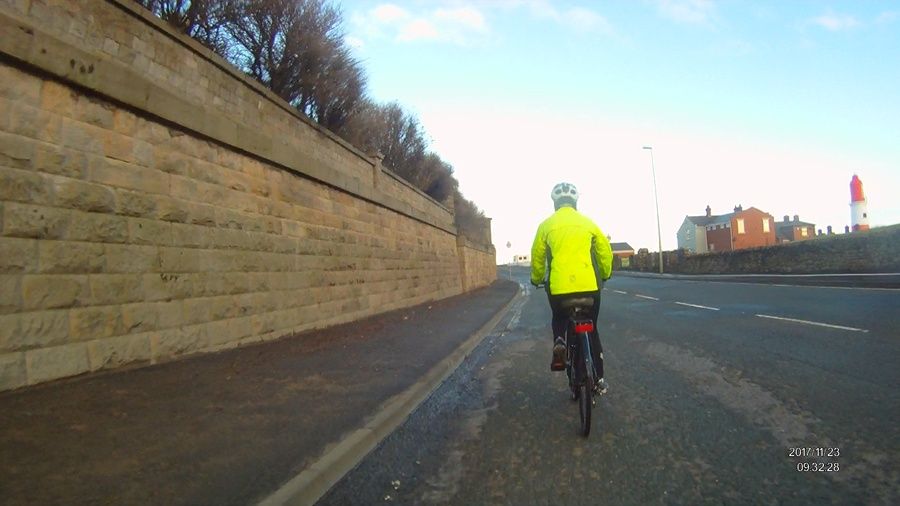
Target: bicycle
(579,359)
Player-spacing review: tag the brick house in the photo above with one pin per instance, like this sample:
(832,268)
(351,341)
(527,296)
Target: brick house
(622,253)
(744,228)
(794,230)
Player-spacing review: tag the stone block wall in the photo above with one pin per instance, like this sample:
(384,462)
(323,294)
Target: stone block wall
(477,264)
(860,252)
(154,203)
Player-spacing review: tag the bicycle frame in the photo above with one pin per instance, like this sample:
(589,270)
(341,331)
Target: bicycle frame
(578,348)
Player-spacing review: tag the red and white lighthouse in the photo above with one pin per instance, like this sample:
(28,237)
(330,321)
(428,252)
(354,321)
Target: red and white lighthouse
(859,216)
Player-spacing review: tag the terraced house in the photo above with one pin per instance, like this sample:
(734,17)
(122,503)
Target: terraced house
(740,229)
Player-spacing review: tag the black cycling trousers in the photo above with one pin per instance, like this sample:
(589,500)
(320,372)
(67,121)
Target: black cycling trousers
(561,318)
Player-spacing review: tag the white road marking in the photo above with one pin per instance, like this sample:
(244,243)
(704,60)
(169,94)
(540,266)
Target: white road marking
(620,291)
(698,306)
(841,327)
(645,297)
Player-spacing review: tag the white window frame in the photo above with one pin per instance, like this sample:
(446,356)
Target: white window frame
(766,225)
(804,232)
(740,226)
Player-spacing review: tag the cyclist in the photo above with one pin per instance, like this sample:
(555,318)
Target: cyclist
(580,260)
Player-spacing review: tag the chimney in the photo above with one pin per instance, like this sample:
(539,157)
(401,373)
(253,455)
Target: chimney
(829,230)
(820,231)
(846,229)
(796,217)
(708,211)
(787,218)
(738,208)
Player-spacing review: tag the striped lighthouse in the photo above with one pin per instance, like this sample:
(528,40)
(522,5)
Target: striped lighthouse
(859,216)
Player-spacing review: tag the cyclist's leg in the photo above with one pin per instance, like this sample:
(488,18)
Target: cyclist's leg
(596,346)
(559,322)
(560,317)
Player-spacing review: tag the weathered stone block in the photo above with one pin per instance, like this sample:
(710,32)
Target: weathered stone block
(18,86)
(143,231)
(165,286)
(94,112)
(95,227)
(178,260)
(201,214)
(130,203)
(54,291)
(22,331)
(58,98)
(23,220)
(169,209)
(32,123)
(140,317)
(95,322)
(66,257)
(130,176)
(54,160)
(124,258)
(81,136)
(22,186)
(84,196)
(10,293)
(197,310)
(168,344)
(223,332)
(12,371)
(192,236)
(18,255)
(223,283)
(118,351)
(57,362)
(109,289)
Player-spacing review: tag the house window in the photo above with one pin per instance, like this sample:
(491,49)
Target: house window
(740,223)
(712,246)
(804,232)
(766,225)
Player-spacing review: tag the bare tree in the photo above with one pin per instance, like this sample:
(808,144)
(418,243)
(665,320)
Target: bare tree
(202,20)
(296,48)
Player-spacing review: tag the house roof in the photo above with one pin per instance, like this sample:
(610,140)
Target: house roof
(786,224)
(621,246)
(701,220)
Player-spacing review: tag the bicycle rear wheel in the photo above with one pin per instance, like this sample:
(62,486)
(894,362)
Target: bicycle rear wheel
(584,408)
(585,397)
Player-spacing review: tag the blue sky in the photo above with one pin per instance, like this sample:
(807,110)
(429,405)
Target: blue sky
(766,104)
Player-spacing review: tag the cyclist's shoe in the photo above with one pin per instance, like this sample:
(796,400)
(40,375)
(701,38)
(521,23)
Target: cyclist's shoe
(601,387)
(559,355)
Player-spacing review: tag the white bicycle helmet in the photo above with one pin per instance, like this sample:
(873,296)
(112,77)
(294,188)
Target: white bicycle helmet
(564,193)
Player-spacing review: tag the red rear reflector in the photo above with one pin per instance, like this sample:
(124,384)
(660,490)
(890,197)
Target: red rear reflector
(584,327)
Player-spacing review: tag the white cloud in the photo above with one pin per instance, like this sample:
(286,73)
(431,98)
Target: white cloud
(585,20)
(418,29)
(389,13)
(887,17)
(577,18)
(464,16)
(458,25)
(698,12)
(836,22)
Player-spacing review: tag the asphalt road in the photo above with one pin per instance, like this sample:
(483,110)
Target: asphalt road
(719,393)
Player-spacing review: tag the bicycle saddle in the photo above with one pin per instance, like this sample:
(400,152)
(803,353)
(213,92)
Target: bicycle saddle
(582,302)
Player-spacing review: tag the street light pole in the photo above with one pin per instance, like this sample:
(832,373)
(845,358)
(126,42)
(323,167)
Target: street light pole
(656,199)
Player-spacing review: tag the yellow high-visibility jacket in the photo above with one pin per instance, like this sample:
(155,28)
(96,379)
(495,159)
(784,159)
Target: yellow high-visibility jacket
(577,251)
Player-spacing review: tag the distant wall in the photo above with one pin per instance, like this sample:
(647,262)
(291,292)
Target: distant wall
(157,203)
(872,251)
